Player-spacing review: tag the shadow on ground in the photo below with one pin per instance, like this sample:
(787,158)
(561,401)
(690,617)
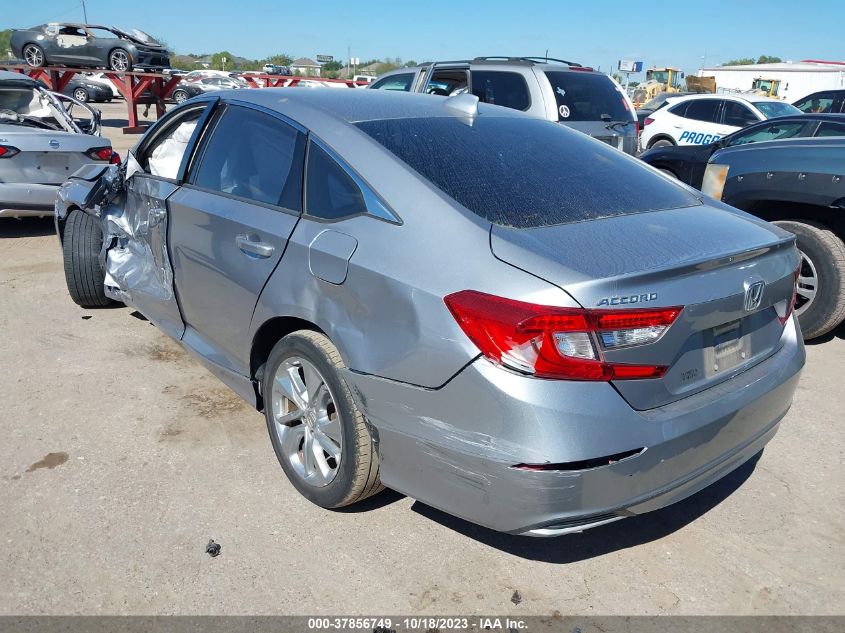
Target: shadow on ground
(26,227)
(607,538)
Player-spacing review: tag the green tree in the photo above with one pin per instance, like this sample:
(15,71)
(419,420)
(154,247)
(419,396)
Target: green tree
(768,59)
(333,65)
(742,61)
(282,59)
(5,46)
(217,62)
(411,63)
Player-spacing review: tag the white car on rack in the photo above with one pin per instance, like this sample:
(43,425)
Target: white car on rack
(704,119)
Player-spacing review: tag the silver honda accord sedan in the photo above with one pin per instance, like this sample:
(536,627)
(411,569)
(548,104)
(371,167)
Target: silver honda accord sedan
(493,314)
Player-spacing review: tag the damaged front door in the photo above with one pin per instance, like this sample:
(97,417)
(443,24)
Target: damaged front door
(138,267)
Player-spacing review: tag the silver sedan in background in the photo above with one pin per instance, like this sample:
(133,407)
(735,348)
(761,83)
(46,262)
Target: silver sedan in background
(494,314)
(41,145)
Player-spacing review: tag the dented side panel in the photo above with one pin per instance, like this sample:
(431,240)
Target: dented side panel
(138,268)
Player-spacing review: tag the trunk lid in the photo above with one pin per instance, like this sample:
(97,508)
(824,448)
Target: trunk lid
(703,258)
(46,157)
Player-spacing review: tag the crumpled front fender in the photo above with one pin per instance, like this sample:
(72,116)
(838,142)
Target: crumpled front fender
(90,188)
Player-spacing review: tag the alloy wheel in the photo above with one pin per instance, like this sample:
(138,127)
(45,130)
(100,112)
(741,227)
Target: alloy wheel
(33,56)
(306,421)
(808,284)
(80,95)
(119,60)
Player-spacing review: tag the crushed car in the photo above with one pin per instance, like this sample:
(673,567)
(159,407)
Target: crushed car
(41,144)
(798,184)
(88,45)
(485,311)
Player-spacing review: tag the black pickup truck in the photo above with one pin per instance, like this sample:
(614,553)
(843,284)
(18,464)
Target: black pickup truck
(799,184)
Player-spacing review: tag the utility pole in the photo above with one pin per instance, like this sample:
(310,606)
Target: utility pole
(348,56)
(84,12)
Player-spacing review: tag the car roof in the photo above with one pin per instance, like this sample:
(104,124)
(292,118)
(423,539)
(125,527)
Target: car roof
(728,96)
(18,78)
(353,106)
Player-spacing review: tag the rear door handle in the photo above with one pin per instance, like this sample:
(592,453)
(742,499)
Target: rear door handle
(251,245)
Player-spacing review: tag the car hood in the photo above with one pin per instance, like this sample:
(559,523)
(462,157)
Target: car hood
(140,38)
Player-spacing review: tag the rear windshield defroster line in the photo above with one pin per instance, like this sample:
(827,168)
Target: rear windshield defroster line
(525,173)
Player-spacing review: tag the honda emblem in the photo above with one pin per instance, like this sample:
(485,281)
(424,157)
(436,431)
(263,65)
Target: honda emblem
(754,295)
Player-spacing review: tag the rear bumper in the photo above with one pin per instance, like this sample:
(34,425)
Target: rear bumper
(455,448)
(18,200)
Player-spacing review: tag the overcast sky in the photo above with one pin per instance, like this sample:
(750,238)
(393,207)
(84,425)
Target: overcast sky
(596,33)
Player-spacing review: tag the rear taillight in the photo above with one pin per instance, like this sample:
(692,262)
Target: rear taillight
(115,158)
(7,151)
(790,306)
(648,121)
(100,153)
(564,343)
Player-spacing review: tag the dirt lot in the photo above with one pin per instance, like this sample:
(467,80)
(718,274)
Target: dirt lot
(121,457)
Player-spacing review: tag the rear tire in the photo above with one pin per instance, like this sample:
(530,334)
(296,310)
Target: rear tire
(668,172)
(355,474)
(81,94)
(180,96)
(83,240)
(823,264)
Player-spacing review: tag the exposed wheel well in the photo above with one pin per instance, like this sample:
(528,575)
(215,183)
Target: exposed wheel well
(660,137)
(270,333)
(774,210)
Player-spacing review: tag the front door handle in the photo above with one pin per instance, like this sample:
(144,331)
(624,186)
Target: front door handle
(253,246)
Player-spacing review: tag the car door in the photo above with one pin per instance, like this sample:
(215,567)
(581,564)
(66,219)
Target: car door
(701,122)
(230,226)
(142,266)
(735,116)
(818,102)
(72,45)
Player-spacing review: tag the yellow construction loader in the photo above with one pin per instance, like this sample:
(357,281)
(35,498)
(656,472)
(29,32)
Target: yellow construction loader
(668,79)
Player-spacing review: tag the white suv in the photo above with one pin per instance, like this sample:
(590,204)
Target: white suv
(703,119)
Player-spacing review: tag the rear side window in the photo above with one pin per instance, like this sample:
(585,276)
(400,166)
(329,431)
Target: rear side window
(831,129)
(702,110)
(501,88)
(255,156)
(400,82)
(586,96)
(523,172)
(330,193)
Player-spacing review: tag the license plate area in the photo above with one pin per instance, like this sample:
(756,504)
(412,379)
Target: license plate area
(728,346)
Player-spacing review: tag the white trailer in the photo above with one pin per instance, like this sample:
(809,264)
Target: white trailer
(797,79)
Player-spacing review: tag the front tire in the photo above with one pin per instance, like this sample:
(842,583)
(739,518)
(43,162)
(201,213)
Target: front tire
(820,302)
(662,142)
(81,245)
(33,55)
(120,61)
(320,437)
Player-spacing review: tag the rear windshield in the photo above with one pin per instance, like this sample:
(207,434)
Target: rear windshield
(771,109)
(523,172)
(585,96)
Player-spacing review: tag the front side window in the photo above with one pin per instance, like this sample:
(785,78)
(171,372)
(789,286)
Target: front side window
(255,156)
(447,83)
(703,110)
(816,104)
(738,114)
(401,82)
(330,193)
(770,132)
(164,156)
(506,89)
(587,96)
